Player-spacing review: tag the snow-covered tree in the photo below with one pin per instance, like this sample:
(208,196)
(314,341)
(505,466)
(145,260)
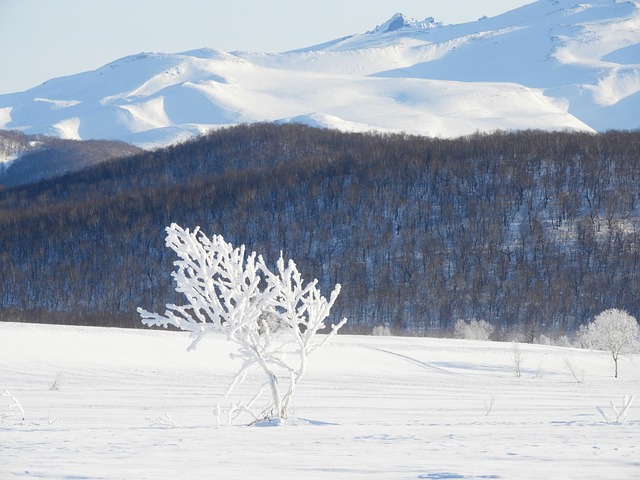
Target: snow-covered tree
(381,331)
(614,331)
(472,330)
(273,317)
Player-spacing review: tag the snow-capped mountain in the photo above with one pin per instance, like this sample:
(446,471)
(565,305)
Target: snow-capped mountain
(552,64)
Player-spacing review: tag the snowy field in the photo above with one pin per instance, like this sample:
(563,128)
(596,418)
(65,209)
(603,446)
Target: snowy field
(97,402)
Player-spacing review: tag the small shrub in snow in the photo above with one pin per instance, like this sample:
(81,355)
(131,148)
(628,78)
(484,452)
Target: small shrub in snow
(381,331)
(517,359)
(614,331)
(51,420)
(472,330)
(488,405)
(164,421)
(562,341)
(543,340)
(576,373)
(273,317)
(16,414)
(617,416)
(515,336)
(581,337)
(56,383)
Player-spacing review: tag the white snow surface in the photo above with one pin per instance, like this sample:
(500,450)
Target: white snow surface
(369,407)
(552,64)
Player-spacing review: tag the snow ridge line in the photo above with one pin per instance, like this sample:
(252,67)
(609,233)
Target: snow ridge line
(415,361)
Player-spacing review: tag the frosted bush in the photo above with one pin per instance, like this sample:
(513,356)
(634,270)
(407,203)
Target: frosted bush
(559,341)
(562,341)
(472,329)
(273,317)
(381,331)
(617,416)
(543,340)
(582,339)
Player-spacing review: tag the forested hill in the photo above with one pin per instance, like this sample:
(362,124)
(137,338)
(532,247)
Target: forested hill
(29,158)
(533,231)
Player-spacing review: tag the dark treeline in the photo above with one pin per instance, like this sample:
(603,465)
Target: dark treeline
(533,231)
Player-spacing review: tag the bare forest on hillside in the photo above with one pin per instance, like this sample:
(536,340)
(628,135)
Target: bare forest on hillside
(534,232)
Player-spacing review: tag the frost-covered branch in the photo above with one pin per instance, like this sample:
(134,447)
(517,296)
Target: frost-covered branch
(220,284)
(17,410)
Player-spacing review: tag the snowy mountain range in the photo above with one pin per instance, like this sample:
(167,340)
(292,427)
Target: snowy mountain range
(552,64)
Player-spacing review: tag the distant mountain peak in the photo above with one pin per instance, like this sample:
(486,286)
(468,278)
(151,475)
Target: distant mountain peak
(402,22)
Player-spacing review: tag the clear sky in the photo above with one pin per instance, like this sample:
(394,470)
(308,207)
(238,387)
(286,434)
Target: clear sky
(43,39)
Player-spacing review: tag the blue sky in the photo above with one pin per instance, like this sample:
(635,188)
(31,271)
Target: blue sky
(42,39)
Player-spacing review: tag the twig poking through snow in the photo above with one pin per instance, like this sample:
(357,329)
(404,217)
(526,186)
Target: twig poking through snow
(517,359)
(57,382)
(488,405)
(578,375)
(165,421)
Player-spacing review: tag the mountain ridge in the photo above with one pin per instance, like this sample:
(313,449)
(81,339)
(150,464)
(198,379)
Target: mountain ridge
(551,64)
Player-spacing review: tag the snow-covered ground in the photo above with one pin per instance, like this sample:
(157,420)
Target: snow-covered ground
(369,407)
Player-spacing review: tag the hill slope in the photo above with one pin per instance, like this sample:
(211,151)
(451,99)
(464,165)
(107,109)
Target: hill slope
(553,64)
(29,158)
(535,232)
